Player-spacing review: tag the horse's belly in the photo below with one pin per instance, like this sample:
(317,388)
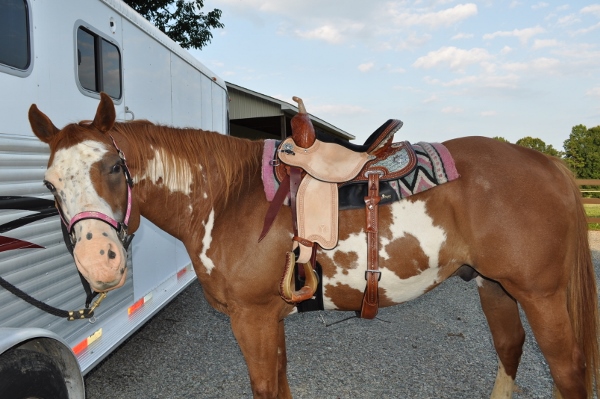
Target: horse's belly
(409,258)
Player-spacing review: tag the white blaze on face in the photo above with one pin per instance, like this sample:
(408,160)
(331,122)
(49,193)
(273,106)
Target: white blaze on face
(408,218)
(164,169)
(206,241)
(98,253)
(70,175)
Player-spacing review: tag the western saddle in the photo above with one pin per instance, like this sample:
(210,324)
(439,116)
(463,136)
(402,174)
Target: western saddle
(311,170)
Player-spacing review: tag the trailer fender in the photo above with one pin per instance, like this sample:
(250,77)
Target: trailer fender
(37,363)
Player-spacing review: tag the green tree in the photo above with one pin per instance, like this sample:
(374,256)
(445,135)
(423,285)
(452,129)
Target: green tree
(582,152)
(502,139)
(539,145)
(181,20)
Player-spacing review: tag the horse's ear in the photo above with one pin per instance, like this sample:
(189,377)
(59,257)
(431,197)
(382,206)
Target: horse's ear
(105,114)
(41,125)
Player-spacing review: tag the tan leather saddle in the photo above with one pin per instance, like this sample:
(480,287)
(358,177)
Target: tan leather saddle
(311,169)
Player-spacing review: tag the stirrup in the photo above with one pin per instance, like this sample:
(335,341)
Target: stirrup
(287,284)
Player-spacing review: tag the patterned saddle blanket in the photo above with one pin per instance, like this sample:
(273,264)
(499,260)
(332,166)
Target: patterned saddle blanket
(413,168)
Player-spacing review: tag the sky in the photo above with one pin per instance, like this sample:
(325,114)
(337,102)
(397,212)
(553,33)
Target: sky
(445,68)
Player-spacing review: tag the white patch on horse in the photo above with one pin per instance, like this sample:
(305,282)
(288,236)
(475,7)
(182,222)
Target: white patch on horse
(408,218)
(479,280)
(206,241)
(483,183)
(504,384)
(355,277)
(70,175)
(162,168)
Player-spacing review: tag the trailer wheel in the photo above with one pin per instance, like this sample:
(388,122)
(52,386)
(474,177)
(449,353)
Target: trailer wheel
(30,374)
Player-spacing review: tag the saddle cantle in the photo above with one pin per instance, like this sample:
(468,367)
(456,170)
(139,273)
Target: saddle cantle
(320,174)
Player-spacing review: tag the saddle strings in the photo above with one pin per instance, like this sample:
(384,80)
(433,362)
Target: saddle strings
(346,319)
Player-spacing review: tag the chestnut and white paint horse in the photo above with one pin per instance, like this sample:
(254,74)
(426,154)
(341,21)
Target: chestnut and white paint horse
(514,219)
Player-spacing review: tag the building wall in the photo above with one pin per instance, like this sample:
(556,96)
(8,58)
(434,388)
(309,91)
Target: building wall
(243,105)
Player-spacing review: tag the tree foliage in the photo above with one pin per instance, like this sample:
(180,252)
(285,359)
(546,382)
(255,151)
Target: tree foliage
(582,152)
(539,145)
(502,139)
(181,20)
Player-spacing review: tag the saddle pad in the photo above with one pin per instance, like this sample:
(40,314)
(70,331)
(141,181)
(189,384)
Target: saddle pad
(435,166)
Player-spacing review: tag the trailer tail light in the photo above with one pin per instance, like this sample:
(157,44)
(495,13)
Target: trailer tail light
(139,304)
(80,347)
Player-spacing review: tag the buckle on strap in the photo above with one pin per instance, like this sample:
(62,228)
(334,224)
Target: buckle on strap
(373,271)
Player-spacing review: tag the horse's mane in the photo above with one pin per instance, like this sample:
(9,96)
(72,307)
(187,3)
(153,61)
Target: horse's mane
(229,160)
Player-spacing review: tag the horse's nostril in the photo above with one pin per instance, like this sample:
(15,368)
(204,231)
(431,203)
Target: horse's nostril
(111,254)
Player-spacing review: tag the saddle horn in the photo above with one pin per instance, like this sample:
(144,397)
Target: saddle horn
(303,131)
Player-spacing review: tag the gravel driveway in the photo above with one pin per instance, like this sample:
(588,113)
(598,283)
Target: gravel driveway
(437,346)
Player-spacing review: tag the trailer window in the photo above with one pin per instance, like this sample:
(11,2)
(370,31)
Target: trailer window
(14,34)
(98,63)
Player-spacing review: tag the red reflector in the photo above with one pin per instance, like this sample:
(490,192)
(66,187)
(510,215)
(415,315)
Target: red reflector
(80,347)
(135,306)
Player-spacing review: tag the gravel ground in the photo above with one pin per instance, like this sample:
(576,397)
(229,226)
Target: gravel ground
(437,346)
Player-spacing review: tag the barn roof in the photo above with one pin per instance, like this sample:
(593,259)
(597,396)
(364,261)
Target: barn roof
(256,115)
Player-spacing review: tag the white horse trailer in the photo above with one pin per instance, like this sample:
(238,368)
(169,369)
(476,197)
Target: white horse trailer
(59,55)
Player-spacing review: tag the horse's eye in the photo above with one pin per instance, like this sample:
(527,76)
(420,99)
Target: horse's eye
(49,186)
(116,168)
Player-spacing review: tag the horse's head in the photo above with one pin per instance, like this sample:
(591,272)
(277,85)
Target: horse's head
(88,176)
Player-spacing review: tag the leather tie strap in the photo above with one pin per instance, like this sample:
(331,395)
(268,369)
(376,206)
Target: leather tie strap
(295,180)
(370,305)
(282,192)
(289,186)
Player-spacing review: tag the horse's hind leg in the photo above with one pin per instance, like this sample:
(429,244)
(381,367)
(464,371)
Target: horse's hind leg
(502,314)
(551,326)
(261,337)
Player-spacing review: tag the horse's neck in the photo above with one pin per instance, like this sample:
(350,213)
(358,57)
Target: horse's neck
(180,191)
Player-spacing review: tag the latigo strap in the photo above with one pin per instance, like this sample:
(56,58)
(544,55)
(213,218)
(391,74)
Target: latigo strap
(370,305)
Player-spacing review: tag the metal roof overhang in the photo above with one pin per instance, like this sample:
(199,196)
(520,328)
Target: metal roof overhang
(255,115)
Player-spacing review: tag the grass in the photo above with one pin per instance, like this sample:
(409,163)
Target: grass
(593,210)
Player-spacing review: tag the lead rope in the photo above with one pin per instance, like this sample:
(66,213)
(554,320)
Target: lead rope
(70,315)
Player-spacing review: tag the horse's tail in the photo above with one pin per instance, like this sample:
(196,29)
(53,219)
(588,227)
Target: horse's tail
(582,297)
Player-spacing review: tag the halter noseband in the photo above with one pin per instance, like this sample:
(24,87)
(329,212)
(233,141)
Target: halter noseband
(120,227)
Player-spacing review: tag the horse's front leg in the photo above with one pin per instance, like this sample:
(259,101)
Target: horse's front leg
(261,337)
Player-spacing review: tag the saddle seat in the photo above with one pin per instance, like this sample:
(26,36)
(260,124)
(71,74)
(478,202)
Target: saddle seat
(333,160)
(376,140)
